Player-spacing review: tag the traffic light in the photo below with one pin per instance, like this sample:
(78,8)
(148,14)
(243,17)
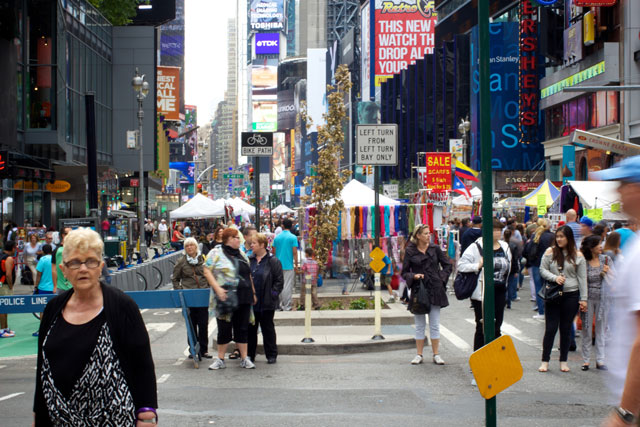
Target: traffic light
(250,174)
(364,170)
(199,187)
(370,170)
(215,174)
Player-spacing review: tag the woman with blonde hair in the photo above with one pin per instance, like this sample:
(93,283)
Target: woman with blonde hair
(533,251)
(94,358)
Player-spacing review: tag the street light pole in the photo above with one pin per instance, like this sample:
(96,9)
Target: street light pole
(141,88)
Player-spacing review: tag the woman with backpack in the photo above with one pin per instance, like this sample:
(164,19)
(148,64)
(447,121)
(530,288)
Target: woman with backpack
(425,264)
(533,251)
(515,246)
(472,262)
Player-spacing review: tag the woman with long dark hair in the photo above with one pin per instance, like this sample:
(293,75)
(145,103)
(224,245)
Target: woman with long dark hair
(564,265)
(598,266)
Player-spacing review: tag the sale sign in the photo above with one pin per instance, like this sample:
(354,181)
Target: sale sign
(168,95)
(404,33)
(438,175)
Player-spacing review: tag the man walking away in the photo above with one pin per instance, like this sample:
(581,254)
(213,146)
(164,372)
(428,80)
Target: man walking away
(624,364)
(285,246)
(571,216)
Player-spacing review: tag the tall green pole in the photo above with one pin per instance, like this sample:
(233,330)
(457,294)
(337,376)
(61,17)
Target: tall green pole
(487,190)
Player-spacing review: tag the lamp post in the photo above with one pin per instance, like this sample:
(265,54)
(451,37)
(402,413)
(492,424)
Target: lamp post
(464,128)
(141,89)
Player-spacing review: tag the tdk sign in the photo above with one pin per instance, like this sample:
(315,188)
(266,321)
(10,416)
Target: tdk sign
(267,43)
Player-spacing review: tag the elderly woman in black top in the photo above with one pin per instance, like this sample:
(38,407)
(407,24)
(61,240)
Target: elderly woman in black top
(268,280)
(425,263)
(94,357)
(188,273)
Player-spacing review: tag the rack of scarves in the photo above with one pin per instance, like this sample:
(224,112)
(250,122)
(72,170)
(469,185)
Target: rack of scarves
(356,251)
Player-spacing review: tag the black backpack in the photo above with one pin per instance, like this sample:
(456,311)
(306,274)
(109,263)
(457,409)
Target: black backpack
(530,251)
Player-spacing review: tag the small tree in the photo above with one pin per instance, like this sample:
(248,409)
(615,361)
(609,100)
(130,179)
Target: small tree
(328,180)
(118,12)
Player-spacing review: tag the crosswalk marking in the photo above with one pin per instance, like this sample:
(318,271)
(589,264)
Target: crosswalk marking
(163,378)
(144,310)
(179,361)
(516,333)
(454,339)
(9,396)
(160,326)
(3,366)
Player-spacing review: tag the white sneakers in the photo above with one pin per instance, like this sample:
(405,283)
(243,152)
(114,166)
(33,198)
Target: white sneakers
(417,360)
(538,316)
(438,360)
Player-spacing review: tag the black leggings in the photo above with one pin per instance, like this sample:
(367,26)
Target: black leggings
(264,320)
(200,322)
(559,314)
(500,302)
(239,324)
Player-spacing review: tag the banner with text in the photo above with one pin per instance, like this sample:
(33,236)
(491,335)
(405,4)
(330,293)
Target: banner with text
(437,174)
(405,32)
(168,94)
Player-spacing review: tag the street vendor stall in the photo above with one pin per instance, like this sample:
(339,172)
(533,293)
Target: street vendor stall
(198,207)
(599,199)
(550,192)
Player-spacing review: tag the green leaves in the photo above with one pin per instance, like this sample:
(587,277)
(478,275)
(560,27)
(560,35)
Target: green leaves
(118,12)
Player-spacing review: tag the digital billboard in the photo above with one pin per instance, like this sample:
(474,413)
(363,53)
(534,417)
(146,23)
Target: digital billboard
(266,43)
(168,93)
(265,116)
(264,79)
(266,15)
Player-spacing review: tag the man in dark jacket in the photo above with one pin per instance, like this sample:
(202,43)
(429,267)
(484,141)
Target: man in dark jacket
(268,280)
(472,234)
(463,229)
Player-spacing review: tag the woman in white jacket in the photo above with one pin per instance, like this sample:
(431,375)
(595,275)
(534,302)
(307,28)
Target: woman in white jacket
(472,262)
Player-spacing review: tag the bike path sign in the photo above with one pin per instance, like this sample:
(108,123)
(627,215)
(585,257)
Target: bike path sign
(258,144)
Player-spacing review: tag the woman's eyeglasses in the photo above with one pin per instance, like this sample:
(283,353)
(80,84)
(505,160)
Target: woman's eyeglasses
(75,264)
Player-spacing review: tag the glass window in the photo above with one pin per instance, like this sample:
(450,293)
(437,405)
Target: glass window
(612,107)
(41,97)
(601,108)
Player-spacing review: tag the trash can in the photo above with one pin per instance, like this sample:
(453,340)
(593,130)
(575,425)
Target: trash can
(111,246)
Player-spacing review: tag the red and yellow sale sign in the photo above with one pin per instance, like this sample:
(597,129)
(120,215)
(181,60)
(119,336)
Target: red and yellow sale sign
(405,32)
(438,171)
(168,96)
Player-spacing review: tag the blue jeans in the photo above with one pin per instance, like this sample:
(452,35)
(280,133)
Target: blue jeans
(537,279)
(512,289)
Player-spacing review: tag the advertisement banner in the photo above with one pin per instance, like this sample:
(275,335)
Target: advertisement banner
(266,43)
(286,110)
(168,94)
(568,163)
(266,15)
(438,171)
(186,170)
(265,116)
(264,79)
(405,32)
(278,159)
(316,87)
(365,52)
(508,153)
(456,148)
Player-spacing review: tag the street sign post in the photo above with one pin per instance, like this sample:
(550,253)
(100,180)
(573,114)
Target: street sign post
(257,144)
(377,264)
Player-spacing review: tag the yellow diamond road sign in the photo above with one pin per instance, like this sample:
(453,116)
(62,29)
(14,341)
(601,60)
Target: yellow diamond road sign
(496,366)
(377,255)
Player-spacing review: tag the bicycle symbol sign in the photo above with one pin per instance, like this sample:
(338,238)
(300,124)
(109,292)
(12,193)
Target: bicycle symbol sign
(256,144)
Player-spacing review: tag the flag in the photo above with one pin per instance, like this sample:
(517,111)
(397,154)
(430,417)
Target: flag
(459,187)
(464,171)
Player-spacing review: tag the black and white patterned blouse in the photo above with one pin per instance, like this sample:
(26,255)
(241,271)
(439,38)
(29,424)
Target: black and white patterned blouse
(99,397)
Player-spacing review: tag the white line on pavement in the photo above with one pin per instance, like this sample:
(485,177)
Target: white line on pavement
(9,396)
(3,366)
(163,378)
(160,326)
(144,310)
(517,334)
(177,311)
(454,339)
(179,361)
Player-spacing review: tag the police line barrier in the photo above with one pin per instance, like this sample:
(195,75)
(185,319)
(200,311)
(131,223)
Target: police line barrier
(183,298)
(150,275)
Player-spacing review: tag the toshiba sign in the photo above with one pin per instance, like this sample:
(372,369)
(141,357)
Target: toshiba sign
(267,43)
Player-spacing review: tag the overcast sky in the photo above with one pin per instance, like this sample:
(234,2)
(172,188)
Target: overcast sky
(206,54)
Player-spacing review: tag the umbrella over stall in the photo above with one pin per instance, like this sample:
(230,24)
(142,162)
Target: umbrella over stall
(547,188)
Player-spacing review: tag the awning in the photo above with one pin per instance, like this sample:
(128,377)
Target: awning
(600,195)
(592,140)
(548,189)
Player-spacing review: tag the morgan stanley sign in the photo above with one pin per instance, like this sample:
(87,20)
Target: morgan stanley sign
(267,43)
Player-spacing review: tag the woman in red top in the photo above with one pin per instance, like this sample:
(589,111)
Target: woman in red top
(177,238)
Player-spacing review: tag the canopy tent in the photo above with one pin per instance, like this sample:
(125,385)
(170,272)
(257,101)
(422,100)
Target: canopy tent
(282,209)
(199,207)
(548,189)
(119,205)
(463,200)
(599,194)
(356,193)
(240,207)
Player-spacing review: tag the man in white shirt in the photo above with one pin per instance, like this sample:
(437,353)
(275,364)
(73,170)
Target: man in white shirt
(624,353)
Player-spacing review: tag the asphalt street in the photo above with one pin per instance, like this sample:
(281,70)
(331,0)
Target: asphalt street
(373,389)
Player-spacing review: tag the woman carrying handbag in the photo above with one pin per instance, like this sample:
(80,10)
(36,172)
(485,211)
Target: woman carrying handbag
(426,265)
(563,265)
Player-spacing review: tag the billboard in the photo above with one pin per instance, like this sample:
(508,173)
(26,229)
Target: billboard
(264,79)
(266,15)
(365,52)
(286,110)
(266,43)
(508,153)
(405,32)
(316,87)
(186,170)
(168,93)
(278,160)
(264,116)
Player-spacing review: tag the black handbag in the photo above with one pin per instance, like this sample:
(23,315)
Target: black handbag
(465,283)
(550,291)
(420,301)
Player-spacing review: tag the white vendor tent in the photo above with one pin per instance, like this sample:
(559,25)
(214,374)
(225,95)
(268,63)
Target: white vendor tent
(463,200)
(240,207)
(356,193)
(198,207)
(282,209)
(599,194)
